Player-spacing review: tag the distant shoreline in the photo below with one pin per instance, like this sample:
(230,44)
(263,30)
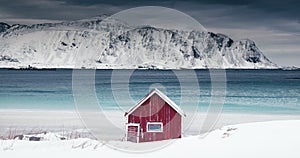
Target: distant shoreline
(54,69)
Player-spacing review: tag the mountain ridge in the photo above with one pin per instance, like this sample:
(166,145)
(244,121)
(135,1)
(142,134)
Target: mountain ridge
(106,43)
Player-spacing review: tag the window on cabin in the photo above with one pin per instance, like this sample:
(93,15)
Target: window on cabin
(154,127)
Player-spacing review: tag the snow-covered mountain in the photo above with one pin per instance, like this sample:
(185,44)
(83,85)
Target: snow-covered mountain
(108,43)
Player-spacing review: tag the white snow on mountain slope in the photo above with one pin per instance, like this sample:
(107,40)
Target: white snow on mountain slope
(108,43)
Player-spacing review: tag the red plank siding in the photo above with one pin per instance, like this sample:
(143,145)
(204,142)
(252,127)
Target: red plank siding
(155,109)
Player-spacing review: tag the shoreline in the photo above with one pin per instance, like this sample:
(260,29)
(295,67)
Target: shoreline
(71,68)
(118,110)
(68,120)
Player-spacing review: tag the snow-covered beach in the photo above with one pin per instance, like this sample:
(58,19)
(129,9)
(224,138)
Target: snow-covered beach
(274,139)
(21,121)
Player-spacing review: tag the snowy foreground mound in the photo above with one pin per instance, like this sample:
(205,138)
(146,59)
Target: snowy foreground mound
(275,139)
(108,43)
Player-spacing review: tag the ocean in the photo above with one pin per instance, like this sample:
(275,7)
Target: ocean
(247,91)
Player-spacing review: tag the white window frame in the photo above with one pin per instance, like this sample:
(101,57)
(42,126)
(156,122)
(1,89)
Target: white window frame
(154,123)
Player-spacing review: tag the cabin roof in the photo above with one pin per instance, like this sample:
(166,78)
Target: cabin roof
(160,94)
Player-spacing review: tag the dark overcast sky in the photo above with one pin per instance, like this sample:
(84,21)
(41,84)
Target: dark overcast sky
(273,24)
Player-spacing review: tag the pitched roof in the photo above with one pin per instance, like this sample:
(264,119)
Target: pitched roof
(160,94)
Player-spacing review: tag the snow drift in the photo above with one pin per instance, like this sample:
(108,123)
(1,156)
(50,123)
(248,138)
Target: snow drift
(274,139)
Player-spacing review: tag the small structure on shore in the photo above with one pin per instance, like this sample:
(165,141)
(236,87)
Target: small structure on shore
(155,117)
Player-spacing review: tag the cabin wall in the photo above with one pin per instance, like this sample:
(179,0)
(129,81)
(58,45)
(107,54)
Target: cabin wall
(155,109)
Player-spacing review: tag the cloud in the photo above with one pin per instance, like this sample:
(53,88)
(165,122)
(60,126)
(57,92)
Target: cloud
(52,10)
(286,8)
(28,21)
(72,9)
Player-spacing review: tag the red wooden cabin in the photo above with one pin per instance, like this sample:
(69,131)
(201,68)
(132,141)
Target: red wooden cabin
(155,117)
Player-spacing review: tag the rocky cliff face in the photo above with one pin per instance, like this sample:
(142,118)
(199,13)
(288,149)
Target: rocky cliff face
(4,27)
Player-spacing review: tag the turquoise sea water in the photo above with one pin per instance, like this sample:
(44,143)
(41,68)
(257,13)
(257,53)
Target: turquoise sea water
(247,91)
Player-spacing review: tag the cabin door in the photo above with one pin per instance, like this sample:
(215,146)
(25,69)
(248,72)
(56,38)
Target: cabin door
(133,132)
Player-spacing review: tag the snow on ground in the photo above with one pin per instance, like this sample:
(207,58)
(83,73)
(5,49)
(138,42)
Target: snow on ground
(34,121)
(274,139)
